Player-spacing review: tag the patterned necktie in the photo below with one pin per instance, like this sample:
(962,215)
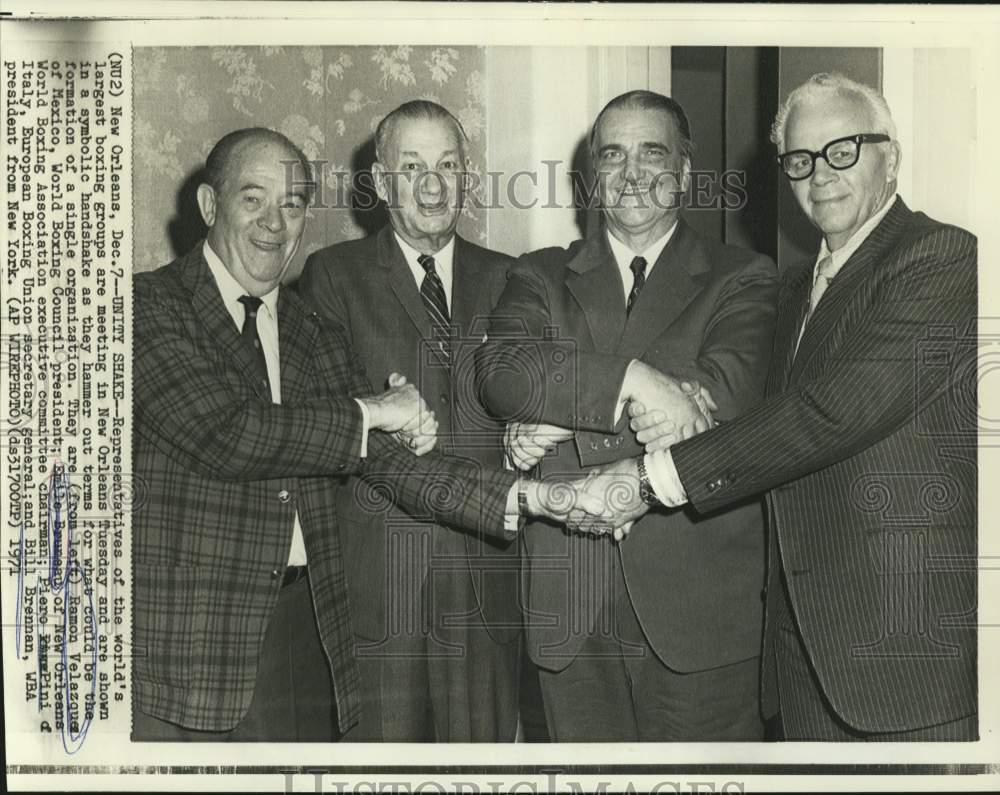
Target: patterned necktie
(638,268)
(251,304)
(432,291)
(823,279)
(820,283)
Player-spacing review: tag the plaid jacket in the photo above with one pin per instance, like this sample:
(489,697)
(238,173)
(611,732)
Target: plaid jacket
(224,470)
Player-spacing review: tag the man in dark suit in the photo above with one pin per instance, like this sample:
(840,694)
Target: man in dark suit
(631,645)
(865,446)
(242,628)
(439,663)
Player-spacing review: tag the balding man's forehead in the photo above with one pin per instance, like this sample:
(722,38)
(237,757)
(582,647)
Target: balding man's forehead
(260,150)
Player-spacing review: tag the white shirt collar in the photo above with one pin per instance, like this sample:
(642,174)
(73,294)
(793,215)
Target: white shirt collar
(624,255)
(231,290)
(842,254)
(443,263)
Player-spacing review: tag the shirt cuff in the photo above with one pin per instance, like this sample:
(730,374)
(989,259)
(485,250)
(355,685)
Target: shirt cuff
(366,422)
(511,514)
(664,479)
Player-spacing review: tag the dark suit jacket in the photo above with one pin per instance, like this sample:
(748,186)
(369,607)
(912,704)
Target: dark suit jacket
(367,287)
(224,471)
(867,444)
(559,346)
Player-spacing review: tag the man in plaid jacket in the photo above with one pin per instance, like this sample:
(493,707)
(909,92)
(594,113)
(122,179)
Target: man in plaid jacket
(241,614)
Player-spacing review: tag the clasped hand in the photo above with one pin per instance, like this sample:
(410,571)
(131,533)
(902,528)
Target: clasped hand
(526,443)
(663,410)
(605,502)
(401,411)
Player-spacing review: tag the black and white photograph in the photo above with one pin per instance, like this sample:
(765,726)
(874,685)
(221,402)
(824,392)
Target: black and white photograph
(499,396)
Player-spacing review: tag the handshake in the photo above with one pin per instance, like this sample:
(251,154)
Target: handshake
(662,411)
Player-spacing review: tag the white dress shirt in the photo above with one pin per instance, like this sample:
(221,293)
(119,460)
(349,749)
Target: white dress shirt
(660,467)
(443,265)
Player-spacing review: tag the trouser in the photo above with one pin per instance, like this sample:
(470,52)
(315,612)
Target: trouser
(618,690)
(437,675)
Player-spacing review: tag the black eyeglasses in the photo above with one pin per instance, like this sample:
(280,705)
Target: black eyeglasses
(839,154)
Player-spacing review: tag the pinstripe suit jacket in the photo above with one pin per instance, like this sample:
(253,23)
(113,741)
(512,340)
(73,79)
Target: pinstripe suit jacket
(706,312)
(367,287)
(224,470)
(867,445)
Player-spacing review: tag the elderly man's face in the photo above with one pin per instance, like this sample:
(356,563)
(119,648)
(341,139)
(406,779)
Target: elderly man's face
(641,172)
(421,181)
(255,220)
(839,202)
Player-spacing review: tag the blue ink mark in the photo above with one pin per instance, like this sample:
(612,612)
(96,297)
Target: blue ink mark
(20,592)
(59,498)
(81,735)
(59,493)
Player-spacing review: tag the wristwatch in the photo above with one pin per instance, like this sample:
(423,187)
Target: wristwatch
(522,496)
(646,493)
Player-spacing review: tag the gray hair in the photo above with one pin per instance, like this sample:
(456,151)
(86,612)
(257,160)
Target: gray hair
(822,85)
(648,100)
(415,109)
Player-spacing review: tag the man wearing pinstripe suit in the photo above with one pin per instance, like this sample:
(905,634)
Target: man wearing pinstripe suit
(865,446)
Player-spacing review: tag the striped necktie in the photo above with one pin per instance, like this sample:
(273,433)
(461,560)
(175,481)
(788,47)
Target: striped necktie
(435,302)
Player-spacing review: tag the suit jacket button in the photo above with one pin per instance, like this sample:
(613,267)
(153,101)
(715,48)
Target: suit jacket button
(284,496)
(275,574)
(607,442)
(593,445)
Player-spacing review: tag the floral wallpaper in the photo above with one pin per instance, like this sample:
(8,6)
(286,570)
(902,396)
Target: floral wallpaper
(328,100)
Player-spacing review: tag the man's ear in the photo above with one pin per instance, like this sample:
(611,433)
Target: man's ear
(895,157)
(686,175)
(206,203)
(381,179)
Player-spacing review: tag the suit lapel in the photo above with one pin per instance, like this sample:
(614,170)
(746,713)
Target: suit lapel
(846,283)
(595,283)
(219,327)
(673,282)
(466,287)
(296,342)
(401,282)
(792,306)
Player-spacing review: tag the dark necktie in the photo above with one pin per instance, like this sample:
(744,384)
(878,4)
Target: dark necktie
(638,268)
(432,291)
(251,304)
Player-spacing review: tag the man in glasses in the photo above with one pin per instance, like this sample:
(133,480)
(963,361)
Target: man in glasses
(865,446)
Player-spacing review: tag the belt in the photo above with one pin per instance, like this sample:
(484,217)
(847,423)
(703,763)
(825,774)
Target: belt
(293,574)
